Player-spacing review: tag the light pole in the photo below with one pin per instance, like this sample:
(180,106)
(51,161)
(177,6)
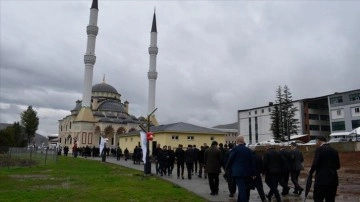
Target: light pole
(147,165)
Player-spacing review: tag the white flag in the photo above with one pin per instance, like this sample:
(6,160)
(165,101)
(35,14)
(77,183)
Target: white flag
(143,144)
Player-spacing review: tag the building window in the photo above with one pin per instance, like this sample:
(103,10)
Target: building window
(355,124)
(335,100)
(125,139)
(354,96)
(60,140)
(269,109)
(190,137)
(357,110)
(61,128)
(325,128)
(336,126)
(66,128)
(212,138)
(338,112)
(313,117)
(70,125)
(131,139)
(314,127)
(249,113)
(255,111)
(175,137)
(313,106)
(262,111)
(324,117)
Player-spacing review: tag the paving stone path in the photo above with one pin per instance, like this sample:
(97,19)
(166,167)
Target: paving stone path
(200,186)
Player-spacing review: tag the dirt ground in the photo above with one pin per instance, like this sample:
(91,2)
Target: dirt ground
(349,174)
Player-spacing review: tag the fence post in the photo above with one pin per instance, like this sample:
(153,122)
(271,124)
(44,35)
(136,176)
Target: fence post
(46,153)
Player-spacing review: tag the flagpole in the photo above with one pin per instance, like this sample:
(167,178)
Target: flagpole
(147,165)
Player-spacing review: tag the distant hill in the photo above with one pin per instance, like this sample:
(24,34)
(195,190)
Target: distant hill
(227,126)
(39,139)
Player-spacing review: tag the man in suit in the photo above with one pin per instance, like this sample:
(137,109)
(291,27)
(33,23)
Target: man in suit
(196,158)
(201,160)
(284,179)
(272,165)
(241,167)
(189,160)
(180,160)
(325,165)
(230,180)
(297,160)
(212,162)
(257,182)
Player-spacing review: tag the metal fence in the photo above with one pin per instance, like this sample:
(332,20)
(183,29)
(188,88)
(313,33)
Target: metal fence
(26,156)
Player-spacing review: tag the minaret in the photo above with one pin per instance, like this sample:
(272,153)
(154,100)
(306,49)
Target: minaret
(92,29)
(152,74)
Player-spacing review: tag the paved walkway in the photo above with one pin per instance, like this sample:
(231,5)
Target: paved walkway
(200,186)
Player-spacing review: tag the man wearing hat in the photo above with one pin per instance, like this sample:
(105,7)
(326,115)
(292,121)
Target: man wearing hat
(297,160)
(325,165)
(213,162)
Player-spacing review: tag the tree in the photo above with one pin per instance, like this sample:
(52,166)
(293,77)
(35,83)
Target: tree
(283,118)
(30,122)
(12,136)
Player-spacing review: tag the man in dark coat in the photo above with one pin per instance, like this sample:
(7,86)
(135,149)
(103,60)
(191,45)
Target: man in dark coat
(201,160)
(325,165)
(163,160)
(156,153)
(257,182)
(272,165)
(171,160)
(180,160)
(189,160)
(196,158)
(118,153)
(297,160)
(241,167)
(126,153)
(213,163)
(284,178)
(230,180)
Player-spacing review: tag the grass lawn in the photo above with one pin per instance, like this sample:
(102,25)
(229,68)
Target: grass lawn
(85,180)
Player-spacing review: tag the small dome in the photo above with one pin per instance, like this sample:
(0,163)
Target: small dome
(111,105)
(103,87)
(78,106)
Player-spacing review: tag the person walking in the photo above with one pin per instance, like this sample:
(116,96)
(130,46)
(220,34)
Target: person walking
(163,160)
(213,163)
(285,172)
(297,160)
(118,153)
(229,179)
(257,182)
(196,159)
(272,165)
(201,160)
(156,153)
(241,167)
(126,153)
(325,165)
(180,160)
(189,160)
(171,160)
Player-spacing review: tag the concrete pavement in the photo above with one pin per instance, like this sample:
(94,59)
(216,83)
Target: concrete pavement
(200,186)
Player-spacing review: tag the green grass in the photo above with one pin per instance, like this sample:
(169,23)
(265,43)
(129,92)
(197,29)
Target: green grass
(85,180)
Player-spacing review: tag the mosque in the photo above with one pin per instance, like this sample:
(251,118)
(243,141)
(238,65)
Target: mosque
(101,112)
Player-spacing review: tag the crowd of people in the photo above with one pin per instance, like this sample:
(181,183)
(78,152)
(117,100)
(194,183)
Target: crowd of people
(243,168)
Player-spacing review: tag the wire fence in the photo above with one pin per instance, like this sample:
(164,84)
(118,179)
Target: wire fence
(11,157)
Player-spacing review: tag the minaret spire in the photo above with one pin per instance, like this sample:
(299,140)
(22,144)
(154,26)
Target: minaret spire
(153,27)
(94,4)
(92,29)
(152,74)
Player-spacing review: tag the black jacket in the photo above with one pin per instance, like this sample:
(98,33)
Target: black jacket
(325,165)
(201,156)
(286,157)
(272,163)
(189,156)
(180,155)
(297,160)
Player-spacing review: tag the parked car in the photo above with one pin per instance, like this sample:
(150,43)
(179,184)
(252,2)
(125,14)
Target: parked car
(311,142)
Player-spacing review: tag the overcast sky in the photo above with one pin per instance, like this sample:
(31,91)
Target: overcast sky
(215,57)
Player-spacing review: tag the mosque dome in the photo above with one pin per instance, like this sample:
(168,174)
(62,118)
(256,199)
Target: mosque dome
(104,88)
(112,106)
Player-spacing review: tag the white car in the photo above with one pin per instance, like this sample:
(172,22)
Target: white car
(311,142)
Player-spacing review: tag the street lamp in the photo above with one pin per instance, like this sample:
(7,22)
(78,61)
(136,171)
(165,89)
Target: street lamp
(147,165)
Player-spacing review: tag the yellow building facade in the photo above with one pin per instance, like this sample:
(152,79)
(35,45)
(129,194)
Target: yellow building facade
(173,135)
